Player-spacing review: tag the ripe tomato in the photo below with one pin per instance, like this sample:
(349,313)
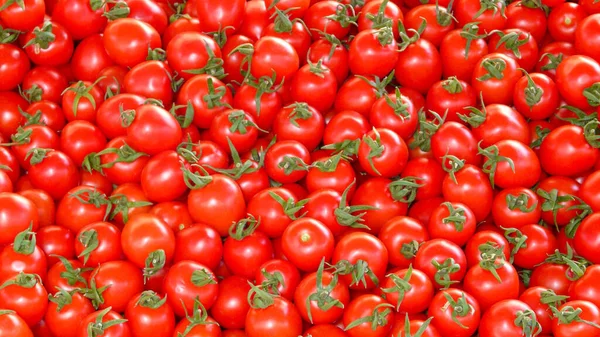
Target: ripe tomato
(409,290)
(17,213)
(455,313)
(584,323)
(569,142)
(274,55)
(25,294)
(402,236)
(305,242)
(16,66)
(443,262)
(231,305)
(383,153)
(509,318)
(13,325)
(186,281)
(587,237)
(364,250)
(65,312)
(491,281)
(452,221)
(113,284)
(367,315)
(200,243)
(148,313)
(206,204)
(128,41)
(574,75)
(152,130)
(107,322)
(278,318)
(471,187)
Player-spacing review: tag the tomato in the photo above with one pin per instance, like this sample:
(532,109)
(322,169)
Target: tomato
(13,325)
(586,237)
(584,323)
(454,139)
(414,300)
(536,96)
(54,53)
(586,192)
(373,52)
(282,164)
(255,20)
(79,17)
(80,138)
(471,187)
(552,54)
(23,256)
(516,164)
(397,113)
(526,53)
(458,60)
(224,15)
(426,62)
(44,83)
(207,204)
(25,294)
(153,130)
(10,116)
(385,197)
(235,126)
(415,326)
(495,77)
(23,16)
(66,275)
(452,221)
(575,74)
(489,15)
(491,281)
(200,243)
(17,213)
(279,318)
(555,192)
(359,248)
(127,41)
(231,305)
(208,96)
(162,178)
(366,316)
(299,122)
(531,19)
(463,317)
(577,155)
(439,22)
(509,318)
(187,280)
(305,242)
(540,243)
(274,55)
(56,240)
(443,262)
(65,312)
(16,66)
(332,292)
(148,313)
(80,100)
(98,243)
(325,330)
(82,206)
(156,72)
(107,322)
(180,25)
(245,250)
(146,240)
(450,98)
(149,12)
(383,153)
(113,283)
(119,162)
(516,207)
(402,236)
(316,85)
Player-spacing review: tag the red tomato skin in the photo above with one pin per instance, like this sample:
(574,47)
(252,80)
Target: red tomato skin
(280,319)
(498,319)
(479,283)
(16,65)
(14,326)
(142,320)
(587,237)
(79,18)
(231,306)
(127,41)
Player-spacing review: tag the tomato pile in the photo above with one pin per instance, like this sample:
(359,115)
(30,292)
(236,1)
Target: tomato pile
(323,168)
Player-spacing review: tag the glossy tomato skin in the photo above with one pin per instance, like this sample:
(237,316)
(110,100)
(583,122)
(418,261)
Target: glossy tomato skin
(586,288)
(309,286)
(206,204)
(499,319)
(15,260)
(200,243)
(516,207)
(305,242)
(573,76)
(65,322)
(274,54)
(79,18)
(587,237)
(244,257)
(144,234)
(118,330)
(371,250)
(363,306)
(281,319)
(24,16)
(13,325)
(423,54)
(589,313)
(26,296)
(17,213)
(441,251)
(231,306)
(145,316)
(576,154)
(472,189)
(442,318)
(398,234)
(182,288)
(56,240)
(17,66)
(127,41)
(456,61)
(487,289)
(153,130)
(125,280)
(376,192)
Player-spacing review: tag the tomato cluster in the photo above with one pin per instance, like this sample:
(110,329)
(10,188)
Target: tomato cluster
(323,168)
